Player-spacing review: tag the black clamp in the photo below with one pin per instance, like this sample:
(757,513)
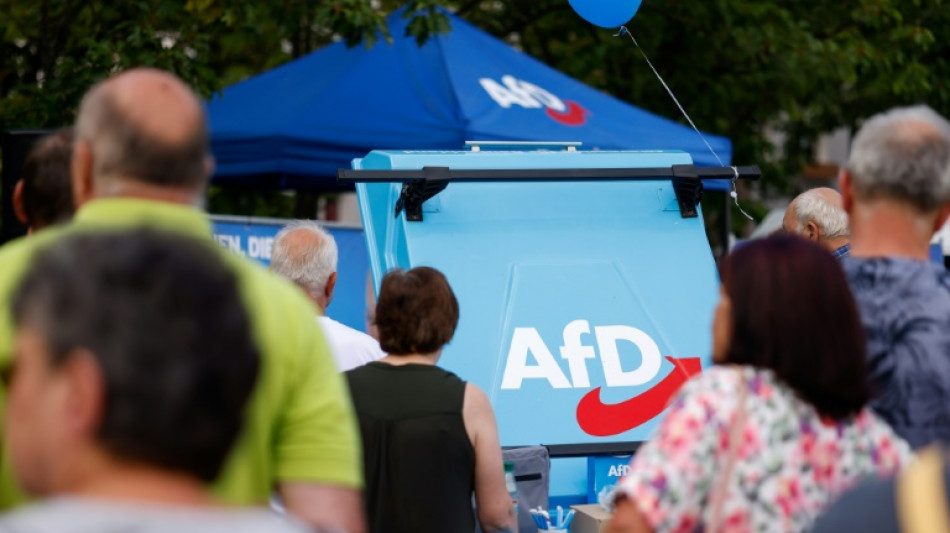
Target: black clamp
(688,188)
(416,192)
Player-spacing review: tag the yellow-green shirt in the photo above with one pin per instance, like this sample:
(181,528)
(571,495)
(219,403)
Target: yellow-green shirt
(300,424)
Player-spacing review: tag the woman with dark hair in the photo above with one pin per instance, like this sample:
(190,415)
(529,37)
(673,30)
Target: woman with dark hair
(766,439)
(429,438)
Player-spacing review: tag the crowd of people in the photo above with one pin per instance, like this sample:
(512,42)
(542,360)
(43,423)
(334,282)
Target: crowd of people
(153,381)
(140,160)
(831,363)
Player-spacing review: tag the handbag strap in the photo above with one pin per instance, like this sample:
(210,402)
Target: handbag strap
(922,495)
(736,433)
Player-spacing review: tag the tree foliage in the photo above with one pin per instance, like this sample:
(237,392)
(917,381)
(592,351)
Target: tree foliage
(51,51)
(749,70)
(743,69)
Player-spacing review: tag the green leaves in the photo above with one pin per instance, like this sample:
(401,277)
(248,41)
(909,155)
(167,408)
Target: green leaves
(426,21)
(750,70)
(743,69)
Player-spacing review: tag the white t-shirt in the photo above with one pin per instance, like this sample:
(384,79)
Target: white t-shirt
(77,515)
(351,348)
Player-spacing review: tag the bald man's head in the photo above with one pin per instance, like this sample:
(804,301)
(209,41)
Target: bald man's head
(827,194)
(818,215)
(146,126)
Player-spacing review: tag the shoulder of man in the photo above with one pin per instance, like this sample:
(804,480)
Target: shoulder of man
(279,311)
(353,335)
(15,259)
(343,335)
(300,396)
(250,272)
(943,279)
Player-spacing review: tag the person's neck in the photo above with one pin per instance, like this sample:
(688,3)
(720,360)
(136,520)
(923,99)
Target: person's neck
(321,304)
(413,359)
(888,229)
(134,483)
(117,187)
(833,243)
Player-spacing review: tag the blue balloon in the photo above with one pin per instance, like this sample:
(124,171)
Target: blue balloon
(606,13)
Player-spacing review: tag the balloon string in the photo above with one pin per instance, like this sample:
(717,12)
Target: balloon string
(735,195)
(624,30)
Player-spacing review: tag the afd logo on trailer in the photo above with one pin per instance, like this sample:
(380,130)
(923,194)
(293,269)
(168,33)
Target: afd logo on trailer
(530,358)
(512,91)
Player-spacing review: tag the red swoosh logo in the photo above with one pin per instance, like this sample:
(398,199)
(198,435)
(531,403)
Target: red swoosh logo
(575,115)
(604,420)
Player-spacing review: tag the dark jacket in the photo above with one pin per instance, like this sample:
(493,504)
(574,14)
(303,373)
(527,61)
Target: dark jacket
(905,309)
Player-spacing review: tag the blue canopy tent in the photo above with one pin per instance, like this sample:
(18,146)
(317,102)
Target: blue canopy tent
(294,126)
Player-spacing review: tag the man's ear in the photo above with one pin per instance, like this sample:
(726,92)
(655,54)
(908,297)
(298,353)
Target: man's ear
(80,172)
(331,286)
(811,231)
(86,394)
(845,188)
(18,209)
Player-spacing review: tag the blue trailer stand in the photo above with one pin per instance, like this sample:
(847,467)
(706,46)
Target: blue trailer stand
(585,281)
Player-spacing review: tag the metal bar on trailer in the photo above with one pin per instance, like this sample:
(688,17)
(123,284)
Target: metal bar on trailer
(544,174)
(420,185)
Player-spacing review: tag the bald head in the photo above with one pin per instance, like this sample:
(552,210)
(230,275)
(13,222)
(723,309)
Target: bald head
(826,194)
(902,156)
(307,255)
(158,104)
(818,215)
(145,126)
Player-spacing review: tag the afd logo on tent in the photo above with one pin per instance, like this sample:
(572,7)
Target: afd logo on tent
(512,91)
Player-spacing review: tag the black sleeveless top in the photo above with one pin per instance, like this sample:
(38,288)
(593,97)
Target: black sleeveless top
(419,464)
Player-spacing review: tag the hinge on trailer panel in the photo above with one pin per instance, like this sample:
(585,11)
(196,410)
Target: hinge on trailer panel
(416,192)
(688,188)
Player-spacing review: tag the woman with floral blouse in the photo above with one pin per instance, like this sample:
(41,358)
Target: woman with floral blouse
(766,439)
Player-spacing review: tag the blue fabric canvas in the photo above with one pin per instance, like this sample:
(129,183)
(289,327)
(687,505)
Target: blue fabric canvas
(299,123)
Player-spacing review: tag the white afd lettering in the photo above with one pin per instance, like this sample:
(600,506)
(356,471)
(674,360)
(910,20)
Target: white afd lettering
(650,359)
(618,470)
(527,342)
(523,342)
(541,95)
(576,354)
(508,96)
(512,91)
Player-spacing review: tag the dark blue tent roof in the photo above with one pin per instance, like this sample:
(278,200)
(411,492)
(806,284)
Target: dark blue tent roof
(302,121)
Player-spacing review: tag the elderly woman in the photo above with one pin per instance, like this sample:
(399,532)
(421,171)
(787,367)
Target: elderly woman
(766,439)
(429,438)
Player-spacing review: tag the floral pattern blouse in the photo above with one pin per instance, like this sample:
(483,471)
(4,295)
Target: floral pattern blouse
(790,464)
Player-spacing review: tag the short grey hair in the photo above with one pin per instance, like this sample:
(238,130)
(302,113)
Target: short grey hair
(121,147)
(310,266)
(832,219)
(904,155)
